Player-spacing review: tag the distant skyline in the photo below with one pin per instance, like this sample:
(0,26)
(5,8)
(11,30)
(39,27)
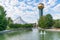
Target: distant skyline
(28,9)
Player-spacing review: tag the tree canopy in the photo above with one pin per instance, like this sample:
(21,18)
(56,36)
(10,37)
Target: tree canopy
(56,23)
(45,21)
(3,21)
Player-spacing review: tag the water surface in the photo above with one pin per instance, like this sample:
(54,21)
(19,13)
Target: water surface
(31,35)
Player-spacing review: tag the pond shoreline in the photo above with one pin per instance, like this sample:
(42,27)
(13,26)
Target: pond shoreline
(14,30)
(53,29)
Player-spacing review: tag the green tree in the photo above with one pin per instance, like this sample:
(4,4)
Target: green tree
(45,21)
(56,23)
(3,21)
(42,22)
(49,21)
(10,21)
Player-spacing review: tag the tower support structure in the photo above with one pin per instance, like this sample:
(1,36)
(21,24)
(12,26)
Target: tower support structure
(40,7)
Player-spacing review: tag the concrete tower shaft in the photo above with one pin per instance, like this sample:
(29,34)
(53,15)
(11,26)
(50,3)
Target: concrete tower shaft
(40,7)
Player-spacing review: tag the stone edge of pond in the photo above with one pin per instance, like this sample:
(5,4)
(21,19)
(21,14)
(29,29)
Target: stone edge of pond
(57,30)
(11,30)
(5,31)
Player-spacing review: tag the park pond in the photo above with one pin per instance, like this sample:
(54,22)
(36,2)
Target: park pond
(33,34)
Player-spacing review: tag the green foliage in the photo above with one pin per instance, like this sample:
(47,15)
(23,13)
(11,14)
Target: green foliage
(45,21)
(3,21)
(56,23)
(21,25)
(42,22)
(49,21)
(28,25)
(10,21)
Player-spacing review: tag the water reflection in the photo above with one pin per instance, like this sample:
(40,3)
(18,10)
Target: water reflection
(2,37)
(52,36)
(42,32)
(31,35)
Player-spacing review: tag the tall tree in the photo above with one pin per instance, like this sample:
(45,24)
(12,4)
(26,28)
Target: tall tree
(49,21)
(45,21)
(42,22)
(3,21)
(10,21)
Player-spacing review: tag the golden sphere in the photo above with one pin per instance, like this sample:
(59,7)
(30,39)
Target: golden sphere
(41,6)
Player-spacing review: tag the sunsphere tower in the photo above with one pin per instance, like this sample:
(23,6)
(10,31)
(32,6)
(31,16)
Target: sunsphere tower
(40,7)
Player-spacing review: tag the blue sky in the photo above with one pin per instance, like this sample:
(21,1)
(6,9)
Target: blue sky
(28,9)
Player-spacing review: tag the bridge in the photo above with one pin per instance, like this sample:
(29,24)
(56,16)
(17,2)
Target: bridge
(19,20)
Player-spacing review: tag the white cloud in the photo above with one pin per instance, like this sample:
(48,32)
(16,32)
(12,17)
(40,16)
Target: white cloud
(13,2)
(21,10)
(57,8)
(52,2)
(48,4)
(56,16)
(29,2)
